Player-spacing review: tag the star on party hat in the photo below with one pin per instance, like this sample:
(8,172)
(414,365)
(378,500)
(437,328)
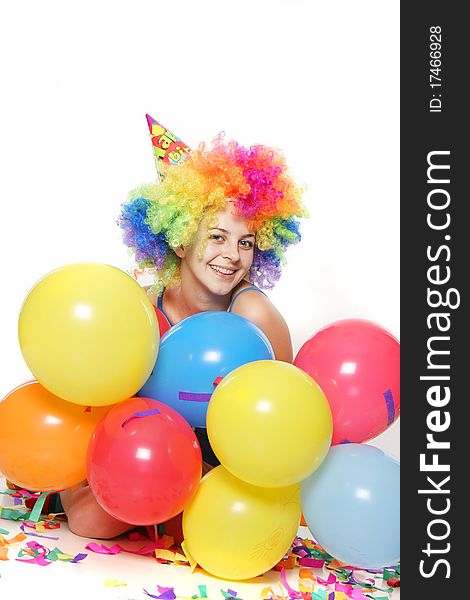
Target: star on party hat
(167,148)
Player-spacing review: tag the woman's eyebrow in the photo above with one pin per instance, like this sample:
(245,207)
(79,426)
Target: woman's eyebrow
(228,232)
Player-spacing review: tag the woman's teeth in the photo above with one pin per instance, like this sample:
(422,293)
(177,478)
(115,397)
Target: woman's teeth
(222,270)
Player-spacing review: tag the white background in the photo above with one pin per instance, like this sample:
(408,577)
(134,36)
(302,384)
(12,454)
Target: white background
(318,79)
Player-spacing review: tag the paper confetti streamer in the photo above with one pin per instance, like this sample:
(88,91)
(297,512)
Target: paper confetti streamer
(103,549)
(170,556)
(114,583)
(13,513)
(48,537)
(43,556)
(164,593)
(191,560)
(202,592)
(14,540)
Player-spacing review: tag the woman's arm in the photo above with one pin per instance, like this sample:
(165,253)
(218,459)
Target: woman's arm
(86,517)
(261,311)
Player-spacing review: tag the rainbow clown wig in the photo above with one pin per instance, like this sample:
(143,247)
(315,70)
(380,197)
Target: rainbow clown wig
(159,217)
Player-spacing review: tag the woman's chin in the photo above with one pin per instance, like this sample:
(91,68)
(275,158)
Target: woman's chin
(222,287)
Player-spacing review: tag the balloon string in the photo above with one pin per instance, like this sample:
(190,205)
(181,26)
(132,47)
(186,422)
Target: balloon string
(141,414)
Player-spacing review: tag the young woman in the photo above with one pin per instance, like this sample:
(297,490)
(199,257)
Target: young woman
(215,232)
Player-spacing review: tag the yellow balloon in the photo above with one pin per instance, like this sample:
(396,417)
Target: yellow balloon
(269,423)
(89,334)
(237,531)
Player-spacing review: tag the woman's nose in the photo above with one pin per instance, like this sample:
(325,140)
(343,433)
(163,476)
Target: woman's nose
(232,251)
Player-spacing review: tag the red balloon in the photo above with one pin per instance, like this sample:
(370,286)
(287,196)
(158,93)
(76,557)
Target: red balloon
(144,462)
(163,324)
(357,365)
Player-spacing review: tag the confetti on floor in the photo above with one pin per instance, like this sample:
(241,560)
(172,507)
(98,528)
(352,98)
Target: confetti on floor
(333,580)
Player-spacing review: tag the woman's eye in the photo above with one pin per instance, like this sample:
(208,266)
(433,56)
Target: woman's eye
(216,237)
(246,243)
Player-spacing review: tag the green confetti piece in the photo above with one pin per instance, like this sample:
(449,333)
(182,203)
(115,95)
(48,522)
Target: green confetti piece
(14,514)
(52,555)
(318,554)
(230,596)
(4,531)
(319,595)
(38,506)
(202,591)
(343,573)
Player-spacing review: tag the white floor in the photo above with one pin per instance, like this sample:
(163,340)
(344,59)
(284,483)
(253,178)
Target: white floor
(86,579)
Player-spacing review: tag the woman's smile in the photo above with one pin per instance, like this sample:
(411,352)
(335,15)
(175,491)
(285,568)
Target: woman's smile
(223,272)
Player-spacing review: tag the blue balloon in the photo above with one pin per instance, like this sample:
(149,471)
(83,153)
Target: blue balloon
(351,505)
(195,352)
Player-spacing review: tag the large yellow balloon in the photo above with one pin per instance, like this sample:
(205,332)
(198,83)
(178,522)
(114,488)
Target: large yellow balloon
(237,531)
(269,423)
(89,334)
(44,439)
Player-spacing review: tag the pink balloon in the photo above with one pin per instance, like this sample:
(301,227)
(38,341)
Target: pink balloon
(357,365)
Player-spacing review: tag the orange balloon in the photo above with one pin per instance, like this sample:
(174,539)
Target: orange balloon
(44,439)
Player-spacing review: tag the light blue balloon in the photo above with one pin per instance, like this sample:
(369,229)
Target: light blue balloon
(351,505)
(195,352)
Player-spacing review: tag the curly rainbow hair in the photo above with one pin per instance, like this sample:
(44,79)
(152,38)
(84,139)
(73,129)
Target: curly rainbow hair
(159,217)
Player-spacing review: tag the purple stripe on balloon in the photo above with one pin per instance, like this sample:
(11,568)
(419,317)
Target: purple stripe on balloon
(345,441)
(142,413)
(192,397)
(390,406)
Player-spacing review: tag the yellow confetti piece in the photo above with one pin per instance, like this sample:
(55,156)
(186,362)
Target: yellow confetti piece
(114,583)
(14,540)
(340,596)
(269,594)
(165,554)
(191,560)
(40,527)
(16,508)
(64,556)
(174,557)
(306,585)
(180,557)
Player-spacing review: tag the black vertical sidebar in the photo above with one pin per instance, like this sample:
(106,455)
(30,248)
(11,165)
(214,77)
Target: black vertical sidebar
(435,329)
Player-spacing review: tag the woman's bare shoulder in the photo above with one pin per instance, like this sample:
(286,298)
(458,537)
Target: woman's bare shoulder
(259,309)
(153,299)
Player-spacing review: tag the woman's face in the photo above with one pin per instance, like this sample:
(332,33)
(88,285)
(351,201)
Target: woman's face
(227,255)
